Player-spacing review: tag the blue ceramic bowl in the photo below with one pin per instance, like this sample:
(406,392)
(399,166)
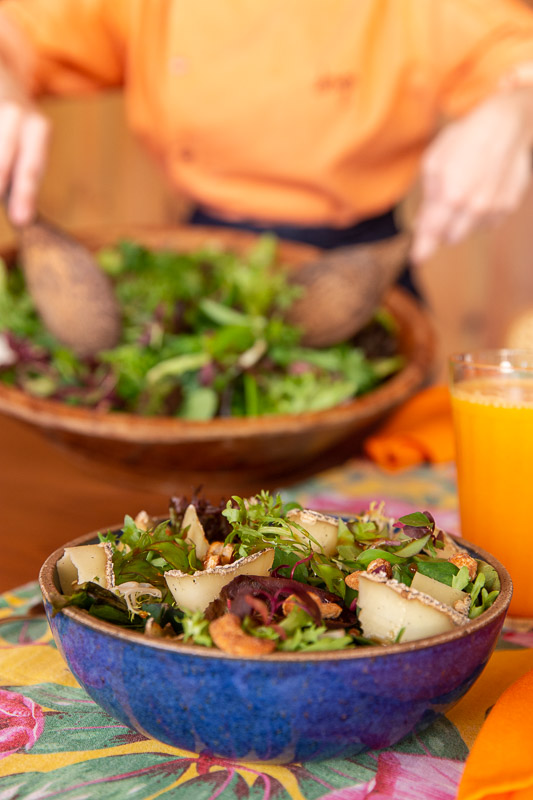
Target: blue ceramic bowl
(282,707)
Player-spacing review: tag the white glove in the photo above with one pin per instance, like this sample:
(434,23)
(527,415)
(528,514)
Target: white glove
(475,171)
(24,138)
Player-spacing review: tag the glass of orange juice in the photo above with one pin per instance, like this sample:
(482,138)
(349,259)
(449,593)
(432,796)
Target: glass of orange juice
(492,402)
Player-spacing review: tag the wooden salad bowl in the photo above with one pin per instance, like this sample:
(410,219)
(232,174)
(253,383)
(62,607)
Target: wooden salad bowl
(238,453)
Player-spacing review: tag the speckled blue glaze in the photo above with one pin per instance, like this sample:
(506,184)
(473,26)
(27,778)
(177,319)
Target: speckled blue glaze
(280,708)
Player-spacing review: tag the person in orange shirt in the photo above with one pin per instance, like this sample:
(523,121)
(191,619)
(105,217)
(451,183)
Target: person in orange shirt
(310,118)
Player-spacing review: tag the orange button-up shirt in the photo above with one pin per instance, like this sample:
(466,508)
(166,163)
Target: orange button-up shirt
(303,111)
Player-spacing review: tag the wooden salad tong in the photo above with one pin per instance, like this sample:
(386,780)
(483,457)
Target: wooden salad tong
(73,296)
(343,288)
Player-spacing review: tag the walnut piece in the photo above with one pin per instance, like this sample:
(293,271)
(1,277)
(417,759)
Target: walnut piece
(464,560)
(380,566)
(327,610)
(463,605)
(227,634)
(352,580)
(218,554)
(213,555)
(153,628)
(143,521)
(330,610)
(227,554)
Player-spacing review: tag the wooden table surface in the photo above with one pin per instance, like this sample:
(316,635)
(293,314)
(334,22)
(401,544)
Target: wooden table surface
(47,499)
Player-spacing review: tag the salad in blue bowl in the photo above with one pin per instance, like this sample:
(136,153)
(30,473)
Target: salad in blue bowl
(259,630)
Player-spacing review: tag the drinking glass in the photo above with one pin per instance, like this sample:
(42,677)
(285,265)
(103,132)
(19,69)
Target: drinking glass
(492,402)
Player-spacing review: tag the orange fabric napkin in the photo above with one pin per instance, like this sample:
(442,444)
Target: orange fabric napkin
(500,764)
(419,431)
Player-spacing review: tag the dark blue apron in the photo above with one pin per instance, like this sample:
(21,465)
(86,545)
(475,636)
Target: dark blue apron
(368,230)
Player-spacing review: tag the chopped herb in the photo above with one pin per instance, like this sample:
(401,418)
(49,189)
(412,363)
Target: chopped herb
(399,635)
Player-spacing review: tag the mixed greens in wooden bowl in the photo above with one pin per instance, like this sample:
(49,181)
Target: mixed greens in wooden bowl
(204,336)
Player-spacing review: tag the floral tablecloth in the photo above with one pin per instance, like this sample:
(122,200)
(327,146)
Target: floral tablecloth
(56,742)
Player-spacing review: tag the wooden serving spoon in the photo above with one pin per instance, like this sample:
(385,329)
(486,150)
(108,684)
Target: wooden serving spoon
(73,297)
(344,287)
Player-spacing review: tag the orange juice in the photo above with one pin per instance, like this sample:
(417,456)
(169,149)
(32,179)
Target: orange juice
(493,419)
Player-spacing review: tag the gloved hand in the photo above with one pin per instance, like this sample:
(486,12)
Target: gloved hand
(24,130)
(476,170)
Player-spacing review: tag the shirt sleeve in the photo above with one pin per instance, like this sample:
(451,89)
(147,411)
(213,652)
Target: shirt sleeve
(481,46)
(77,44)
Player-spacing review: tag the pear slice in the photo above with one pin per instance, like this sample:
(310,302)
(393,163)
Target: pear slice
(89,562)
(324,529)
(195,533)
(454,598)
(195,592)
(390,611)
